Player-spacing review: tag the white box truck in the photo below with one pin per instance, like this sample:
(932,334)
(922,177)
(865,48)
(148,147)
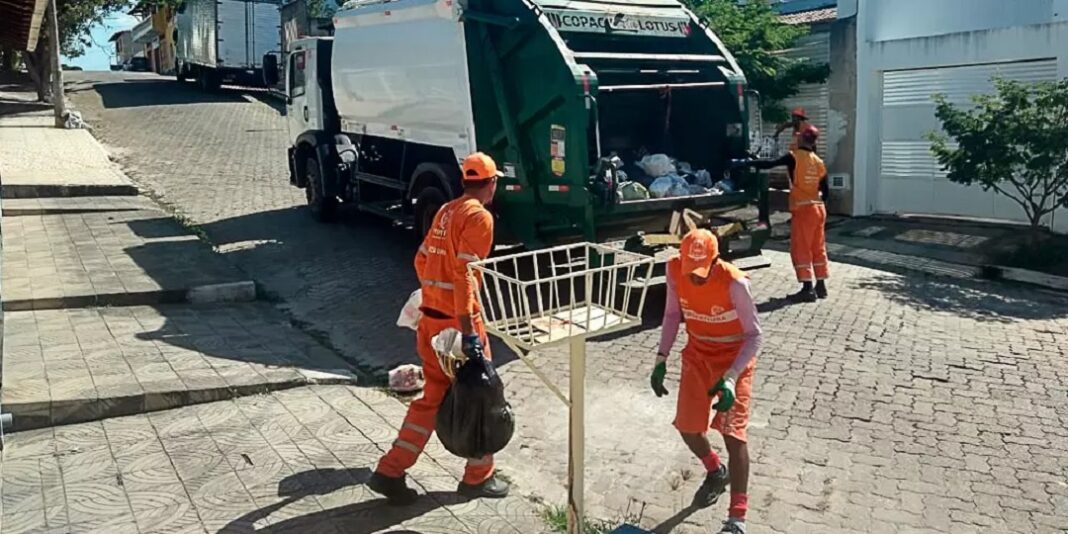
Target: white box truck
(227,41)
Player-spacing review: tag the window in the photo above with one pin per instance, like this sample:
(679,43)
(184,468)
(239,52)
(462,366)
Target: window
(296,73)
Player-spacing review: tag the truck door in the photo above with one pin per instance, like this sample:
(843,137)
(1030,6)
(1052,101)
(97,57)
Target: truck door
(302,104)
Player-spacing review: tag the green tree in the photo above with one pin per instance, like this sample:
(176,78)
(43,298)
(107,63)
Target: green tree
(1011,142)
(78,17)
(753,33)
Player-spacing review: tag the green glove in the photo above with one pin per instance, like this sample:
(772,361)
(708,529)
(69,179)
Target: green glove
(725,390)
(657,378)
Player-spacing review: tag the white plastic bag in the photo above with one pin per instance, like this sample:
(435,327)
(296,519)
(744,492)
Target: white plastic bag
(410,314)
(406,379)
(657,165)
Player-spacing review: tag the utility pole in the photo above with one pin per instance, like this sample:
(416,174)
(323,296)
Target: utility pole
(58,103)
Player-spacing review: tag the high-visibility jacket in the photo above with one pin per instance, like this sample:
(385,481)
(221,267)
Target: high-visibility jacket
(462,232)
(805,182)
(711,319)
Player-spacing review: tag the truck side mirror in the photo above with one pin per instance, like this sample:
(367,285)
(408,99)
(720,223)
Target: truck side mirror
(270,69)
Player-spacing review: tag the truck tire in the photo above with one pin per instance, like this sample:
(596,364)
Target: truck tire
(323,207)
(427,204)
(208,80)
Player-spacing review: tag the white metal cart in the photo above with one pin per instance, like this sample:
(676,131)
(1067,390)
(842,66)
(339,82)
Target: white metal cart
(564,294)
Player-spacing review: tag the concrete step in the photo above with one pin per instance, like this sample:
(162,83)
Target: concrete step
(72,366)
(17,207)
(12,191)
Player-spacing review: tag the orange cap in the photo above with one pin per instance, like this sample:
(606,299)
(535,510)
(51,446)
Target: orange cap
(799,112)
(699,251)
(479,167)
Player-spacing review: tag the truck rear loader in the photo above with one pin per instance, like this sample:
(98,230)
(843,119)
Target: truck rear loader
(228,41)
(566,95)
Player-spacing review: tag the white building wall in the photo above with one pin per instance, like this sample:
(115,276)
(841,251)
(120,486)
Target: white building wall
(888,40)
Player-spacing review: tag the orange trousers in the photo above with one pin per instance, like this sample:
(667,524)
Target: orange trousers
(422,413)
(808,242)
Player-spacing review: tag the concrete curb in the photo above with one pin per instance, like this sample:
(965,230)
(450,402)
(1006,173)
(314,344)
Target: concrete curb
(900,262)
(33,415)
(53,191)
(243,291)
(1024,276)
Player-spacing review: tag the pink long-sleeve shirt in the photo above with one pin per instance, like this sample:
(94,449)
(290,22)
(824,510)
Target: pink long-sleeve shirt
(742,299)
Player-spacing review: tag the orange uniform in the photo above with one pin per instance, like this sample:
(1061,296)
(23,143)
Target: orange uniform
(462,232)
(716,337)
(808,245)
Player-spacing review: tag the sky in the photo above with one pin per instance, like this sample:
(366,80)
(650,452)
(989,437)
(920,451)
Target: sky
(98,56)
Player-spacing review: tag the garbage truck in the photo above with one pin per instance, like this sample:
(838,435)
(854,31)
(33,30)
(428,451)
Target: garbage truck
(606,117)
(227,41)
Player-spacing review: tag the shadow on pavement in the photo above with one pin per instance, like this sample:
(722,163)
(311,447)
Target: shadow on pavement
(344,283)
(357,518)
(973,300)
(155,92)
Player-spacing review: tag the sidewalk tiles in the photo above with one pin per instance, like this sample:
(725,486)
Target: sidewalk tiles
(292,461)
(77,164)
(73,365)
(105,258)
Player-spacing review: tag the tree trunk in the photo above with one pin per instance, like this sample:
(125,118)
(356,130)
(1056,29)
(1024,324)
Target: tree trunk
(59,104)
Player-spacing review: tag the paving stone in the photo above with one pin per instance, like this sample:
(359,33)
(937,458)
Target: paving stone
(106,373)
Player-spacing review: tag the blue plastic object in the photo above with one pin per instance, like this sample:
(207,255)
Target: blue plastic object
(630,529)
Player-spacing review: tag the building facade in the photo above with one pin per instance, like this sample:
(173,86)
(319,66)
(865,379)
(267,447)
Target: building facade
(909,50)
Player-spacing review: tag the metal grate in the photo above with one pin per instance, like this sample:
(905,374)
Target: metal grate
(538,298)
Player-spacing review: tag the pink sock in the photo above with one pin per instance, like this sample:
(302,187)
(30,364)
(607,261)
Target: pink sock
(711,461)
(739,505)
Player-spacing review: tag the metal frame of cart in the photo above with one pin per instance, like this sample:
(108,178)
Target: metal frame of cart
(564,294)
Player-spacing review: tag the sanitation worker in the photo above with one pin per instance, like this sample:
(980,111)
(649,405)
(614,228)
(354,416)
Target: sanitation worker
(797,123)
(462,232)
(714,299)
(808,215)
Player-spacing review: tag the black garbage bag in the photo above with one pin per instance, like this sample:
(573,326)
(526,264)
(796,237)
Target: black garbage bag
(474,419)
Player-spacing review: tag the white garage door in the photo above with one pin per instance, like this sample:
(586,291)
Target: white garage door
(910,179)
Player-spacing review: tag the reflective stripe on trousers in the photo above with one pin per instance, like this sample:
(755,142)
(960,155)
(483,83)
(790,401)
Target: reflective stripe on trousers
(422,413)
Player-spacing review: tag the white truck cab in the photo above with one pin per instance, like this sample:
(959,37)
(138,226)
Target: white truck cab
(304,95)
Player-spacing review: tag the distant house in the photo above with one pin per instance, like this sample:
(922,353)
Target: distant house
(887,60)
(124,47)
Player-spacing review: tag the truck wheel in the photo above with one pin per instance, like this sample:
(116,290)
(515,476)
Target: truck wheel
(208,81)
(427,204)
(323,207)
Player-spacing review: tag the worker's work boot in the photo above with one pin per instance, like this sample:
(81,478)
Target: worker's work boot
(805,295)
(821,289)
(394,489)
(492,488)
(713,486)
(733,526)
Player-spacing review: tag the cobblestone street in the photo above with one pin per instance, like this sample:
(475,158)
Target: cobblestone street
(903,403)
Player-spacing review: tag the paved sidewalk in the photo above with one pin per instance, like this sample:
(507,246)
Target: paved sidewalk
(103,258)
(77,163)
(74,365)
(292,461)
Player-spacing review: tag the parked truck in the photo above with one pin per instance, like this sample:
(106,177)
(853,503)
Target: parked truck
(228,41)
(565,96)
